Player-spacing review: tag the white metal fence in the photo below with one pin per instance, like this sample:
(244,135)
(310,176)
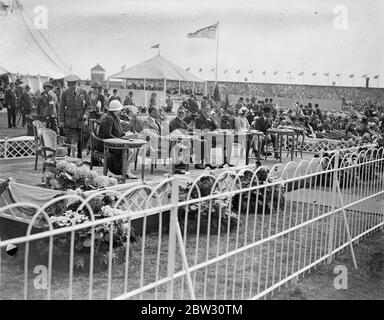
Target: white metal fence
(239,234)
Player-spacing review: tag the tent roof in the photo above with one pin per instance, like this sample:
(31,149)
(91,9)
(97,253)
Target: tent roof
(3,71)
(24,49)
(157,68)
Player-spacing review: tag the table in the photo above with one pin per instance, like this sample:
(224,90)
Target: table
(280,133)
(125,144)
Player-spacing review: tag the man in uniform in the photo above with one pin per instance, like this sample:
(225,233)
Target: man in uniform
(47,107)
(26,101)
(74,111)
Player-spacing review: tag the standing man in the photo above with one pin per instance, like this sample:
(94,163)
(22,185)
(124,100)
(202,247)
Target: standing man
(26,103)
(47,107)
(10,103)
(128,99)
(74,111)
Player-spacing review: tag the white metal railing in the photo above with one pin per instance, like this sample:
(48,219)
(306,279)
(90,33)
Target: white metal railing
(238,234)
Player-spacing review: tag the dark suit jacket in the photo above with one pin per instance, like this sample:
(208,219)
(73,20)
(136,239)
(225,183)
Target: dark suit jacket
(109,128)
(26,101)
(177,124)
(262,124)
(193,107)
(203,123)
(10,99)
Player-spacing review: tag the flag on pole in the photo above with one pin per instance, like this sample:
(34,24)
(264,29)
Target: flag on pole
(188,69)
(351,75)
(376,77)
(275,73)
(314,74)
(156,46)
(338,75)
(226,71)
(238,71)
(207,32)
(301,73)
(288,72)
(364,76)
(250,71)
(326,74)
(201,69)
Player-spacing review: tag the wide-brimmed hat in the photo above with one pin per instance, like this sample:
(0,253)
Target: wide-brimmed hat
(27,87)
(72,78)
(48,85)
(115,105)
(242,110)
(97,85)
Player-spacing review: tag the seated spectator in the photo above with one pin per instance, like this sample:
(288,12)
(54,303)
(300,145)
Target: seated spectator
(110,127)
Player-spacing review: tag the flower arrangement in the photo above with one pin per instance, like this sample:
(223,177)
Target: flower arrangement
(102,207)
(73,174)
(218,210)
(268,199)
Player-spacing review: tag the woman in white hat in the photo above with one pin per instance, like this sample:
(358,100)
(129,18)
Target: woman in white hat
(110,127)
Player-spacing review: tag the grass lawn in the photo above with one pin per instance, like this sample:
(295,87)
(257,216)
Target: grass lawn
(13,132)
(237,277)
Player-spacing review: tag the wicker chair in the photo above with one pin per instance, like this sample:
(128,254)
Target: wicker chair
(50,150)
(94,130)
(37,126)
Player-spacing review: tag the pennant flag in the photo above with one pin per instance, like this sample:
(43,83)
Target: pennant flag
(188,69)
(207,32)
(301,73)
(364,76)
(326,74)
(288,72)
(376,77)
(275,73)
(314,74)
(264,72)
(201,69)
(238,71)
(213,69)
(351,75)
(250,71)
(156,46)
(338,75)
(226,71)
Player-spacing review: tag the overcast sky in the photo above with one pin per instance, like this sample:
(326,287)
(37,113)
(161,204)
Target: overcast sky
(270,35)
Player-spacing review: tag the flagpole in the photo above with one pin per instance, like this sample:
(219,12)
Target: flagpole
(217,51)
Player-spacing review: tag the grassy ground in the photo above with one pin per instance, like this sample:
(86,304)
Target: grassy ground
(13,132)
(236,277)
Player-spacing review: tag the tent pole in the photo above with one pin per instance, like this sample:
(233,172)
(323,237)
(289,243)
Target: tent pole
(145,95)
